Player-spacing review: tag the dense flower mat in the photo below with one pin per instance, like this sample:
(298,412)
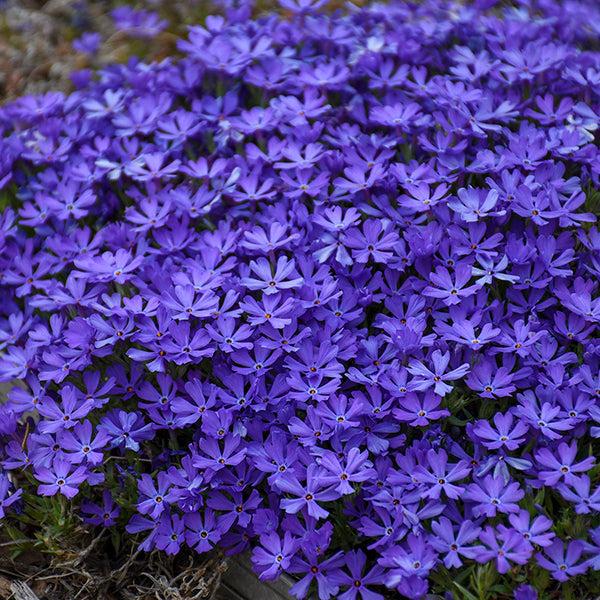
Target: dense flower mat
(325,288)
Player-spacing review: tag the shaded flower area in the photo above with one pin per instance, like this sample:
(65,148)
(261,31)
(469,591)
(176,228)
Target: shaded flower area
(324,288)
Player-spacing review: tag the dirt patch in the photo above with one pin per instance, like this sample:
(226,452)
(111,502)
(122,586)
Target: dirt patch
(92,574)
(36,51)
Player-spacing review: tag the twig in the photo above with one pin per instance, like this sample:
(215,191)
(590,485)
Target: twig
(86,552)
(217,584)
(58,576)
(123,569)
(36,574)
(12,573)
(21,591)
(83,587)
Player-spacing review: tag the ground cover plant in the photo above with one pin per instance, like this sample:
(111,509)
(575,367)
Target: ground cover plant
(324,288)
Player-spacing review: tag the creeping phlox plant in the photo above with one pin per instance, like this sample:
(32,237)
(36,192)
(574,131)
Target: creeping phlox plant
(324,288)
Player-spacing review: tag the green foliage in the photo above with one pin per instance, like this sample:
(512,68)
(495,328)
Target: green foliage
(8,197)
(51,521)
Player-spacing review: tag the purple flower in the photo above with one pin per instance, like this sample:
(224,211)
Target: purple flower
(317,570)
(311,360)
(507,545)
(170,533)
(87,43)
(239,509)
(426,378)
(296,112)
(560,464)
(118,267)
(229,335)
(65,417)
(463,332)
(474,204)
(420,198)
(184,346)
(82,446)
(356,580)
(204,530)
(73,203)
(104,515)
(374,242)
(138,524)
(537,207)
(271,311)
(278,456)
(505,434)
(340,414)
(420,409)
(490,381)
(154,501)
(314,388)
(257,240)
(439,476)
(304,183)
(150,166)
(518,338)
(488,270)
(137,23)
(271,280)
(357,179)
(536,531)
(59,478)
(492,494)
(151,214)
(414,558)
(525,592)
(302,6)
(355,468)
(399,116)
(450,290)
(7,499)
(307,496)
(183,303)
(577,490)
(200,398)
(126,429)
(274,555)
(216,457)
(454,543)
(548,419)
(560,564)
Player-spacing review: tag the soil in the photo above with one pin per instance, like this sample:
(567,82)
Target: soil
(36,54)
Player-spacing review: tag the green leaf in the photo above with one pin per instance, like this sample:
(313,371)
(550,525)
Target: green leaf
(466,594)
(456,421)
(115,538)
(13,532)
(484,578)
(539,497)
